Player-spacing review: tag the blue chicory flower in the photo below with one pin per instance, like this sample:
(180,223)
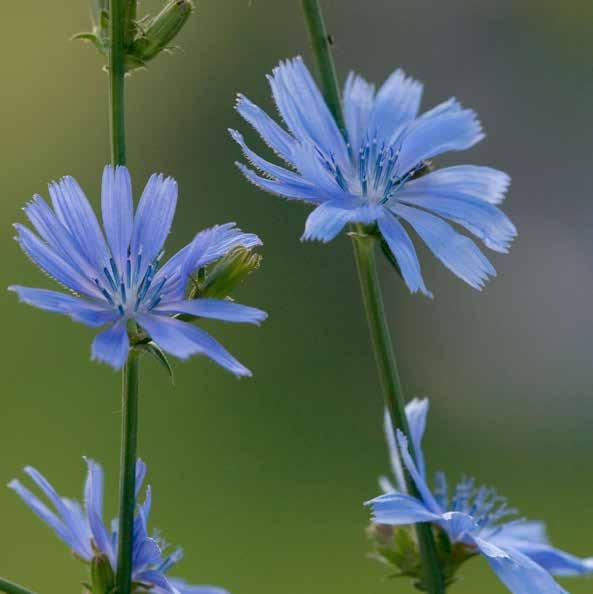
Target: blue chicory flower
(370,172)
(120,279)
(82,528)
(517,550)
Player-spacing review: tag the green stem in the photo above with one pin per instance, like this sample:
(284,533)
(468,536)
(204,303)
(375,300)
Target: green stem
(364,251)
(127,503)
(117,70)
(12,588)
(320,42)
(121,11)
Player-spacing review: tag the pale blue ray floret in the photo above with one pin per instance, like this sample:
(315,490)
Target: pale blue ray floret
(374,171)
(117,277)
(517,550)
(82,528)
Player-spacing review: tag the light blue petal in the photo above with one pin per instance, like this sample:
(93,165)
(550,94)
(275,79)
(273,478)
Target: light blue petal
(556,561)
(416,413)
(141,519)
(518,572)
(153,219)
(75,213)
(184,588)
(444,129)
(111,346)
(358,99)
(69,514)
(459,526)
(302,191)
(44,513)
(91,314)
(171,560)
(419,480)
(157,580)
(146,553)
(484,183)
(394,456)
(397,103)
(208,246)
(481,218)
(58,237)
(216,309)
(304,110)
(530,539)
(118,212)
(522,530)
(318,171)
(403,251)
(280,174)
(93,496)
(184,340)
(273,135)
(140,475)
(328,219)
(457,252)
(53,265)
(398,509)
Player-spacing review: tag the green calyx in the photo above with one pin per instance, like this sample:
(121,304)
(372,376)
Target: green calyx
(102,576)
(221,278)
(396,547)
(145,38)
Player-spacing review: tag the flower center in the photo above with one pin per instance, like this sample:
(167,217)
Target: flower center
(374,171)
(132,289)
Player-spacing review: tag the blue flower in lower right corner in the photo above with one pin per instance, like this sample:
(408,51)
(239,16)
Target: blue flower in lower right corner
(473,521)
(91,541)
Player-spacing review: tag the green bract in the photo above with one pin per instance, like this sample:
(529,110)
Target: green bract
(397,547)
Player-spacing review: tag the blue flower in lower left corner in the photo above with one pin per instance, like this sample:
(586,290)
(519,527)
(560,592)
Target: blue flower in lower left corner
(84,531)
(117,278)
(474,519)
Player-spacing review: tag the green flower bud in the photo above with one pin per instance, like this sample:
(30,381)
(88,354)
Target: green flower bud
(155,34)
(221,278)
(102,576)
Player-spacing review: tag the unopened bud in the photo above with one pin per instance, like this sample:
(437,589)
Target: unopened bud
(102,576)
(159,31)
(225,275)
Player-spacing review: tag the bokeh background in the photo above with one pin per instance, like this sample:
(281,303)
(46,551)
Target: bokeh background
(262,480)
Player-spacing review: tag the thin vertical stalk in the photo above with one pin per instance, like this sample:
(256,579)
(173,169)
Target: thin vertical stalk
(119,21)
(129,435)
(364,252)
(117,58)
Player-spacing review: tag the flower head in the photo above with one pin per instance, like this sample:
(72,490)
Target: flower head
(475,518)
(117,278)
(82,528)
(377,171)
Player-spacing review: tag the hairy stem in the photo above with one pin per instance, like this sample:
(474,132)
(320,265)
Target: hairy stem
(364,252)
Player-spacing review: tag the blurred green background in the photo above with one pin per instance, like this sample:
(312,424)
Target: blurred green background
(262,480)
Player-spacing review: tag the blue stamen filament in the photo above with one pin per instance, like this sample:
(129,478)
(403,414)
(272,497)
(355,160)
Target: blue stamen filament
(123,292)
